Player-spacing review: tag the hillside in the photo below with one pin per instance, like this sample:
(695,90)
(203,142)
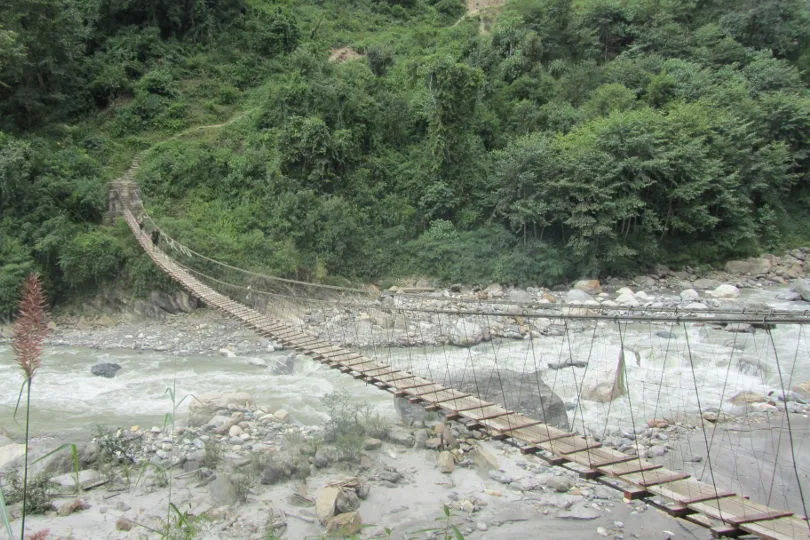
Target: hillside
(549,140)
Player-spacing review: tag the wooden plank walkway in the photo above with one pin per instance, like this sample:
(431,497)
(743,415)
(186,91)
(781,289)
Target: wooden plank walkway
(723,512)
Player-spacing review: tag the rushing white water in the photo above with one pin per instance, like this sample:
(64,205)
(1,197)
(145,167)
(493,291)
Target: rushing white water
(668,375)
(673,370)
(68,400)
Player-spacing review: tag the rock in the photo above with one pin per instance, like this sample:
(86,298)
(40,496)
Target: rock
(466,332)
(579,512)
(228,490)
(400,435)
(10,452)
(281,415)
(739,328)
(72,506)
(434,443)
(627,300)
(527,483)
(705,283)
(410,413)
(325,503)
(641,296)
(589,286)
(803,389)
(235,431)
(390,475)
(696,306)
(281,466)
(576,296)
(372,444)
(447,462)
(495,290)
(123,524)
(201,409)
(802,286)
(88,479)
(788,296)
(605,383)
(666,335)
(219,422)
(532,396)
(105,369)
(173,303)
(690,295)
(258,362)
(347,501)
(714,416)
(724,291)
(753,266)
(344,525)
(500,476)
(421,437)
(448,440)
(484,459)
(325,456)
(560,484)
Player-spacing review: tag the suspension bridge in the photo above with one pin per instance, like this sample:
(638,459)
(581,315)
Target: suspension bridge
(389,341)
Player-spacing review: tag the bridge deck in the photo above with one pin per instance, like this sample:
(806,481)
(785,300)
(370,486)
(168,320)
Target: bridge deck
(725,513)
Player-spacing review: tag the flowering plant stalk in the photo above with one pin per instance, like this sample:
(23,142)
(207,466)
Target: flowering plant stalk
(30,330)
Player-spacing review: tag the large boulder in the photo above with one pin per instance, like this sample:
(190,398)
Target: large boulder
(105,369)
(527,392)
(178,302)
(577,296)
(203,406)
(753,266)
(802,286)
(605,380)
(590,286)
(724,291)
(467,332)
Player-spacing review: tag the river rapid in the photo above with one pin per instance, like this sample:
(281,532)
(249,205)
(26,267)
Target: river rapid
(68,401)
(673,371)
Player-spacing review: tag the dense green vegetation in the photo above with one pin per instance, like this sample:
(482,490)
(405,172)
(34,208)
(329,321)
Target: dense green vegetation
(538,142)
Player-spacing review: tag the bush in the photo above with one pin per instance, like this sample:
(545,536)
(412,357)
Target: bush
(91,258)
(38,499)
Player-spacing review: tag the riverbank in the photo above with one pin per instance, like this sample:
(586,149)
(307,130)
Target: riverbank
(250,468)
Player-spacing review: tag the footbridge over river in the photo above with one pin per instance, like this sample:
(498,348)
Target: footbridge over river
(642,368)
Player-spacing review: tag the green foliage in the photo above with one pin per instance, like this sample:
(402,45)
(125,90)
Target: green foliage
(89,258)
(565,138)
(350,423)
(38,498)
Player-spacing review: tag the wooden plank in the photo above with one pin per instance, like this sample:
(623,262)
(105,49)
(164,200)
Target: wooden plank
(759,516)
(493,416)
(405,376)
(787,528)
(689,491)
(431,392)
(376,375)
(597,457)
(346,368)
(567,445)
(454,398)
(367,372)
(481,405)
(651,477)
(629,467)
(420,385)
